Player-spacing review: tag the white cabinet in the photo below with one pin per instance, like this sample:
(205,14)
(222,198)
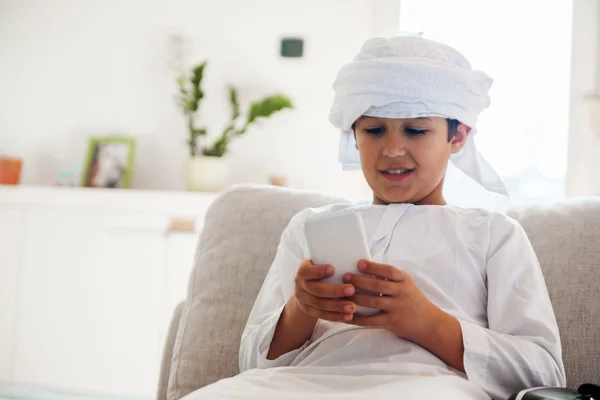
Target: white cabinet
(88,301)
(10,234)
(87,292)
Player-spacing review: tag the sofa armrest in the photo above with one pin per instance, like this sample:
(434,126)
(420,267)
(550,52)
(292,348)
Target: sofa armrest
(165,368)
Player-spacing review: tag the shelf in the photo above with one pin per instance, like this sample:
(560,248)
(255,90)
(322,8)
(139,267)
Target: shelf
(180,203)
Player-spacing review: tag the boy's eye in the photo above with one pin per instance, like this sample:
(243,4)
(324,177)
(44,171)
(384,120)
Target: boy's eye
(415,132)
(375,131)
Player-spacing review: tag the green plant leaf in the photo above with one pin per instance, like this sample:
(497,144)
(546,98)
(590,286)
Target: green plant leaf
(218,149)
(196,94)
(183,97)
(268,106)
(189,98)
(235,105)
(198,73)
(198,132)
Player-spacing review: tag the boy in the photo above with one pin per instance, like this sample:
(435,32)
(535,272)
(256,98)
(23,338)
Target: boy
(465,310)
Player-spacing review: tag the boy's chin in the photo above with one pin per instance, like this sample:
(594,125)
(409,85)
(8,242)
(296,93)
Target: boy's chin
(392,196)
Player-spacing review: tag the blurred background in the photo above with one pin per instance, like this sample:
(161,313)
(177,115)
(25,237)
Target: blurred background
(159,105)
(75,69)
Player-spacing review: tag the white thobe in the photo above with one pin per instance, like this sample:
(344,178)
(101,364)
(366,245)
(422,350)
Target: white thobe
(475,265)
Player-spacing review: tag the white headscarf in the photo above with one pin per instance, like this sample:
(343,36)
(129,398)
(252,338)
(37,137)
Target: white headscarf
(410,77)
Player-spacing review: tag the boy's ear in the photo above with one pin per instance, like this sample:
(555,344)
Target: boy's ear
(460,138)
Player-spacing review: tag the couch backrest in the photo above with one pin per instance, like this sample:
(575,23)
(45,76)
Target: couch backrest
(239,240)
(566,239)
(240,237)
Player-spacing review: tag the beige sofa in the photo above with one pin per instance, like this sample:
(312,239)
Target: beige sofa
(239,241)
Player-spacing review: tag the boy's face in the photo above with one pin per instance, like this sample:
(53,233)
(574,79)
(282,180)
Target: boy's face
(404,160)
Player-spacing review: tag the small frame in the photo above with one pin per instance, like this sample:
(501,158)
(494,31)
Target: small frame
(109,162)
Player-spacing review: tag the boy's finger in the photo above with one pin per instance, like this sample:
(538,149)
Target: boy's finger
(324,304)
(328,290)
(372,301)
(385,271)
(329,315)
(308,271)
(375,285)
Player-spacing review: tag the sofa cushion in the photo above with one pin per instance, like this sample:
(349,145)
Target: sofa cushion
(566,239)
(240,237)
(167,356)
(238,244)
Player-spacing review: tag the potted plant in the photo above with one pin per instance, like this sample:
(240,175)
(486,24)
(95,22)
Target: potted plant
(206,169)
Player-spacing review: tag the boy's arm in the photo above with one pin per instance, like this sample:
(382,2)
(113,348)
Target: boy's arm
(294,329)
(269,306)
(445,340)
(520,348)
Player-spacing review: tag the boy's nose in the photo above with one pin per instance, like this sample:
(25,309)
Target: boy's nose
(393,146)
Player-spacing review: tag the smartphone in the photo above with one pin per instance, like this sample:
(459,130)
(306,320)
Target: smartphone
(338,238)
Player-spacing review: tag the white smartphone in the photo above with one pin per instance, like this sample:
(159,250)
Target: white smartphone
(338,238)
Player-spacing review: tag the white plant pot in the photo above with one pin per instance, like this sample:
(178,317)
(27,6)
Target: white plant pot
(207,174)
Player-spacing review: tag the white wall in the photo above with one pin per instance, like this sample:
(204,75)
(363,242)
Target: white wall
(74,68)
(583,173)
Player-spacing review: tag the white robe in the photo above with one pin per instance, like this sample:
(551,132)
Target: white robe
(475,265)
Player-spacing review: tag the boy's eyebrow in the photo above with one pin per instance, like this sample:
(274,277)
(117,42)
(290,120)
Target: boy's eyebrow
(419,118)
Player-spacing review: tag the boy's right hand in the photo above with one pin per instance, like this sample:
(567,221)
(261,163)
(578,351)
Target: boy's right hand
(322,300)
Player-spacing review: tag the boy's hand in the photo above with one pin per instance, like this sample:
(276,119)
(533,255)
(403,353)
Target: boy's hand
(406,311)
(322,300)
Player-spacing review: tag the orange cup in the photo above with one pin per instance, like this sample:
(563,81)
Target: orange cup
(10,170)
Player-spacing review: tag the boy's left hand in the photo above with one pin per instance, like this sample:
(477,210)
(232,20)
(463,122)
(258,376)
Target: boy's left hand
(406,311)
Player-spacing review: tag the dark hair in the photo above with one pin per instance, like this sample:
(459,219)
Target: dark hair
(452,127)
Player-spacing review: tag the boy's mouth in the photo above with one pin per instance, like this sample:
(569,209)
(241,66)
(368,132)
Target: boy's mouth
(397,174)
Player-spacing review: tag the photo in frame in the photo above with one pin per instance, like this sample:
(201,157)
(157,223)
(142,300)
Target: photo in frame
(109,162)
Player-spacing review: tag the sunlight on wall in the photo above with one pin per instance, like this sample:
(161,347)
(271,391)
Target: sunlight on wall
(524,133)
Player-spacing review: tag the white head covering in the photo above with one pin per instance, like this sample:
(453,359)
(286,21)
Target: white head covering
(410,77)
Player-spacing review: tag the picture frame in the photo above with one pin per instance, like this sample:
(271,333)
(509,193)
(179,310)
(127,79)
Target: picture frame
(109,162)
